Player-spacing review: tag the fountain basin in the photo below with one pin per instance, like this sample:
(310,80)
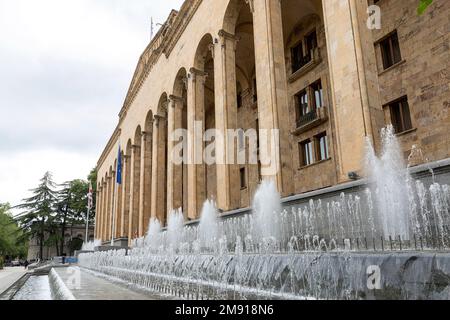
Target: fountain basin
(342,276)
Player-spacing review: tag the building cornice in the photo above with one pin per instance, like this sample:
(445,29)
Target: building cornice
(111,143)
(163,43)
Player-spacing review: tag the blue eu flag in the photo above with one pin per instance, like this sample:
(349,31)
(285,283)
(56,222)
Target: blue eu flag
(119,167)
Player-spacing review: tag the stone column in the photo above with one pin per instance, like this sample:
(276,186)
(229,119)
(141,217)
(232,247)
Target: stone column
(118,211)
(112,204)
(104,210)
(98,210)
(125,210)
(174,171)
(355,100)
(133,223)
(228,191)
(145,183)
(272,93)
(108,210)
(158,204)
(196,128)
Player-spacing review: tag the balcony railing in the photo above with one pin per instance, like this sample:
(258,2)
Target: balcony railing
(310,120)
(306,64)
(307,118)
(303,61)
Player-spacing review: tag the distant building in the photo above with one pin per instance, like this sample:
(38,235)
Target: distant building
(75,234)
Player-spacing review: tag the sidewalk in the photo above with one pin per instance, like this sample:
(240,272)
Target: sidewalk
(95,288)
(9,276)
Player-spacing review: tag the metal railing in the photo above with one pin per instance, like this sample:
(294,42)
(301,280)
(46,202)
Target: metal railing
(307,118)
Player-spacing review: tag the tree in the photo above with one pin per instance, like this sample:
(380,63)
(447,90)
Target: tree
(423,5)
(38,217)
(12,243)
(71,207)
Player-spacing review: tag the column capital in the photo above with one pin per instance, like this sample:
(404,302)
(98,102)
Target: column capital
(196,73)
(226,35)
(176,102)
(135,146)
(157,118)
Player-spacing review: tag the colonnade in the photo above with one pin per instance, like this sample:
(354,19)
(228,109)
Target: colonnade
(152,185)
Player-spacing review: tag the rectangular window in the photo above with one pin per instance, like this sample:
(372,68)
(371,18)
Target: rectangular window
(302,104)
(239,100)
(259,170)
(297,57)
(306,153)
(400,115)
(390,50)
(311,43)
(243,178)
(255,91)
(257,133)
(303,51)
(322,147)
(317,92)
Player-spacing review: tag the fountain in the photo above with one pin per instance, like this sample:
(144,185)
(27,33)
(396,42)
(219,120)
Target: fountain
(91,245)
(208,228)
(321,250)
(390,180)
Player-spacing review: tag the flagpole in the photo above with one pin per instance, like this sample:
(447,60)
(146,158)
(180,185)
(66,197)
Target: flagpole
(87,224)
(117,181)
(88,213)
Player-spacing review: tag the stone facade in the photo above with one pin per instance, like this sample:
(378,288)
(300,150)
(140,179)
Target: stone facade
(78,232)
(252,64)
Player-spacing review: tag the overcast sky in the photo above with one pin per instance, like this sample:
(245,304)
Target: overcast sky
(65,67)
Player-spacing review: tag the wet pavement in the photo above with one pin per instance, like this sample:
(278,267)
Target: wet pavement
(9,276)
(35,288)
(86,286)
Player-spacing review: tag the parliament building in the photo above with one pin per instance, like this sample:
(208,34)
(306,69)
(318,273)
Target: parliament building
(325,75)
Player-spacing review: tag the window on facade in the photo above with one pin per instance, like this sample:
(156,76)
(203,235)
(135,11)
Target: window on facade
(297,57)
(239,94)
(322,147)
(243,178)
(302,104)
(255,91)
(259,170)
(390,50)
(239,99)
(317,93)
(306,153)
(311,43)
(257,132)
(303,51)
(400,115)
